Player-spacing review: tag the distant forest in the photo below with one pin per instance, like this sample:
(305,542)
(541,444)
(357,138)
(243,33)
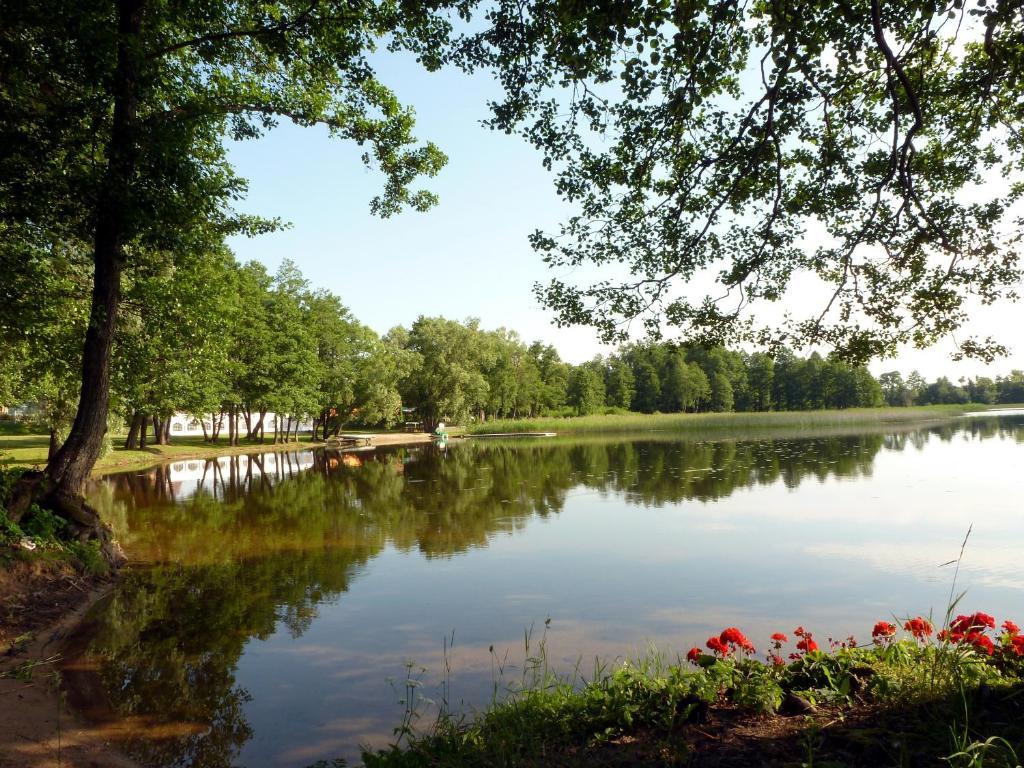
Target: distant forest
(230,343)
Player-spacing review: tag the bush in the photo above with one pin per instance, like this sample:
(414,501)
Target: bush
(42,524)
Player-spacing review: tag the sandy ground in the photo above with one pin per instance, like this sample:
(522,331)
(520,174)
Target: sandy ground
(37,727)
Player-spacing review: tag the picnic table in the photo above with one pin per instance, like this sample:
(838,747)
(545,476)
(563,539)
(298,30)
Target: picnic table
(348,441)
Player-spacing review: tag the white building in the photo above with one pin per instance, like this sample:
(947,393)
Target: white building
(188,425)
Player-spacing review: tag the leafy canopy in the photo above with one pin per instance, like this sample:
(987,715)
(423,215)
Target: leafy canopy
(725,148)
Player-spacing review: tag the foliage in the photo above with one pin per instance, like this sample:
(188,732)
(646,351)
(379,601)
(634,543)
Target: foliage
(115,121)
(871,150)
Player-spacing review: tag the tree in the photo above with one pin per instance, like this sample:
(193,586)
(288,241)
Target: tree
(648,388)
(761,378)
(1010,388)
(916,386)
(172,344)
(982,390)
(619,383)
(894,389)
(705,141)
(684,386)
(447,381)
(380,368)
(114,121)
(585,392)
(43,318)
(554,378)
(943,392)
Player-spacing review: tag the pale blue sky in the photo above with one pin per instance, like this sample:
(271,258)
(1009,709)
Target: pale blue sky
(469,256)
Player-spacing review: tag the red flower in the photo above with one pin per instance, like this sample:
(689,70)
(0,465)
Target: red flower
(693,655)
(1011,629)
(799,631)
(720,648)
(883,631)
(982,643)
(972,622)
(953,637)
(779,638)
(919,627)
(778,660)
(1017,645)
(736,639)
(807,644)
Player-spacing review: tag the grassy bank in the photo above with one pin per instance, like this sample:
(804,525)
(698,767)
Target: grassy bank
(30,451)
(725,422)
(905,699)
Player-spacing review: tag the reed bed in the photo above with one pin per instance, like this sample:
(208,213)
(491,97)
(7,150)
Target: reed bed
(724,422)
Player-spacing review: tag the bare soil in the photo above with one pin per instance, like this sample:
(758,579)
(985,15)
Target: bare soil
(40,605)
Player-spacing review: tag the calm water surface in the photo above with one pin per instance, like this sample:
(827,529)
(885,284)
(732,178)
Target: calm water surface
(280,593)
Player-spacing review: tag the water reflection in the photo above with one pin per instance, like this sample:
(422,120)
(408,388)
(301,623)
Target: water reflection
(440,502)
(282,589)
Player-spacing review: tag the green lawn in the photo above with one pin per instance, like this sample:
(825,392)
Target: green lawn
(30,450)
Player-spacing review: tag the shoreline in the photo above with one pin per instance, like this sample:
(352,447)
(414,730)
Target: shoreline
(213,451)
(189,450)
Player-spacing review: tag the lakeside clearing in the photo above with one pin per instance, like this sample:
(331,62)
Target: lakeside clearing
(731,422)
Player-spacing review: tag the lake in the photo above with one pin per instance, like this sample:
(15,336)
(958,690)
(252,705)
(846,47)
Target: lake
(274,596)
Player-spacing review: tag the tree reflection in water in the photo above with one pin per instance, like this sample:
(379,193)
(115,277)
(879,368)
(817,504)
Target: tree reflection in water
(239,547)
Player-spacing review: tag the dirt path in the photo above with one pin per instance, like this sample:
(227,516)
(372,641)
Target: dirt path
(37,728)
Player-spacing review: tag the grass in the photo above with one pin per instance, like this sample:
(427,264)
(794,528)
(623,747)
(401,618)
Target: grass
(897,702)
(724,422)
(30,451)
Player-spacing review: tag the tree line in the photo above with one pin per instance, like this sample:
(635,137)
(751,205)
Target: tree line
(250,355)
(914,390)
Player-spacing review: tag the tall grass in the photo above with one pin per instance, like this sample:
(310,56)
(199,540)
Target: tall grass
(723,422)
(545,719)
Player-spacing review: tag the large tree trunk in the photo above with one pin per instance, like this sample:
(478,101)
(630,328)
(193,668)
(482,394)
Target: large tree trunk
(61,486)
(67,473)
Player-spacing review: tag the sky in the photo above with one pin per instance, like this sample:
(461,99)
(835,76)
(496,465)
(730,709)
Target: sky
(469,256)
